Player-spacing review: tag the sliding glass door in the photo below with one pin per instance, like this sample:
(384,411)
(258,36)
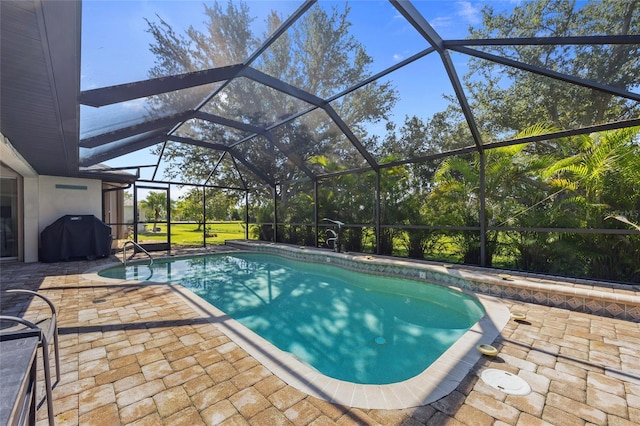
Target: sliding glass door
(8,218)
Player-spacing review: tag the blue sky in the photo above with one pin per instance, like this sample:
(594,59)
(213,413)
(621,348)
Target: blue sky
(115,44)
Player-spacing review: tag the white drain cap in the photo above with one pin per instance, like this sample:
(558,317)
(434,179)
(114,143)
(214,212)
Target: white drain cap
(505,382)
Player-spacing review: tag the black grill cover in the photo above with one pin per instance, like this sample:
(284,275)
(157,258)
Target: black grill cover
(83,236)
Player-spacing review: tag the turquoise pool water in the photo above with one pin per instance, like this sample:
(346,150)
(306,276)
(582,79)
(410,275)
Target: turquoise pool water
(350,326)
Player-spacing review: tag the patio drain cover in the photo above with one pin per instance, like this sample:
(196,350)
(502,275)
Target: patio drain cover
(505,382)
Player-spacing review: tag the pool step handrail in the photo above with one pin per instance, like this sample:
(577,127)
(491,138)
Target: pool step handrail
(136,246)
(336,222)
(332,236)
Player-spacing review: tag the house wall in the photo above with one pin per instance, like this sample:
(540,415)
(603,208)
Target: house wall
(30,219)
(28,193)
(44,199)
(60,196)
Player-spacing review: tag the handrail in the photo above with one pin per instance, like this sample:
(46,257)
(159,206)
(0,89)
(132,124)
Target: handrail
(332,236)
(136,246)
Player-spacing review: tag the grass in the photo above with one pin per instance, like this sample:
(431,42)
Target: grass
(188,234)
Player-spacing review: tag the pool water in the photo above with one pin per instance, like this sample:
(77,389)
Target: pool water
(350,326)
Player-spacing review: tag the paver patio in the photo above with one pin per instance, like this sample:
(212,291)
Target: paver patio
(143,355)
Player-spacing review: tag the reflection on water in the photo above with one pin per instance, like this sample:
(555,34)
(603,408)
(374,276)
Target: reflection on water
(349,326)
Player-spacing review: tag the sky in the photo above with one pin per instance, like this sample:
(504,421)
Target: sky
(115,31)
(115,44)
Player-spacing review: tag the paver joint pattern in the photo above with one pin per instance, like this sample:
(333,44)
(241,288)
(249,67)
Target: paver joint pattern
(140,355)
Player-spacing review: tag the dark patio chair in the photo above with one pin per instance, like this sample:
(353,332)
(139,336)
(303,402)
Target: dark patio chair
(49,326)
(49,332)
(22,324)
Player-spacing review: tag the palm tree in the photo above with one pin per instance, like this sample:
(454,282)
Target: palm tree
(155,205)
(624,220)
(602,158)
(597,182)
(510,181)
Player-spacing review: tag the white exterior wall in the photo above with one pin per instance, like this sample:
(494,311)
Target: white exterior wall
(46,198)
(60,196)
(31,219)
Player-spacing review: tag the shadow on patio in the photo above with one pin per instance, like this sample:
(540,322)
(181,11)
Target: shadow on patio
(141,354)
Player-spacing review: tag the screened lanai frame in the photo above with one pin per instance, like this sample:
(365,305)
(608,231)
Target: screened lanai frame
(170,127)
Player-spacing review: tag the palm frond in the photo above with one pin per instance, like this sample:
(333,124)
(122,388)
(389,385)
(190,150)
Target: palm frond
(623,220)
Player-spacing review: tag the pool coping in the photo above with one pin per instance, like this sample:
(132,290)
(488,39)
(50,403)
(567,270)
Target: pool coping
(435,382)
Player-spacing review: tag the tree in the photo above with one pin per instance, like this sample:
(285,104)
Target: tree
(319,56)
(261,211)
(512,187)
(191,206)
(403,189)
(155,205)
(218,205)
(602,174)
(296,212)
(597,182)
(508,99)
(505,100)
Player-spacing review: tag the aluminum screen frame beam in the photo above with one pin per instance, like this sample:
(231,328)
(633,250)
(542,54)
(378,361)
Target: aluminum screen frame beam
(215,167)
(159,124)
(155,86)
(235,164)
(238,125)
(292,19)
(545,41)
(316,101)
(220,147)
(548,73)
(197,185)
(122,150)
(492,145)
(567,133)
(281,86)
(197,142)
(352,138)
(290,155)
(416,19)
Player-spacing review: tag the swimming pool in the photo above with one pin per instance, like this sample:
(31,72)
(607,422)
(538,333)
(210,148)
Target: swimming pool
(433,383)
(350,326)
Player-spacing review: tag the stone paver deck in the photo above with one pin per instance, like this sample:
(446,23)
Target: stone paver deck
(141,355)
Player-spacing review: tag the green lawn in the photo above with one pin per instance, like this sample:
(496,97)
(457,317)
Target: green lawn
(189,234)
